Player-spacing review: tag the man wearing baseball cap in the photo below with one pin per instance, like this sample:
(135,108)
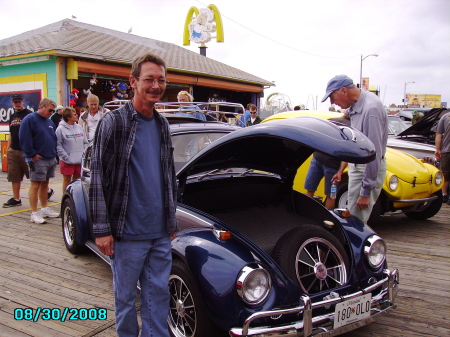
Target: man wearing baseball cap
(57,116)
(17,167)
(416,116)
(367,114)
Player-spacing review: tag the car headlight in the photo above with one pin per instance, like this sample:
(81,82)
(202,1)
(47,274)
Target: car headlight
(253,284)
(375,251)
(393,183)
(438,178)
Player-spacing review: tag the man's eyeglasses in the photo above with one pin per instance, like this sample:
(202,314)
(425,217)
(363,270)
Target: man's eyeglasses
(51,110)
(253,112)
(150,81)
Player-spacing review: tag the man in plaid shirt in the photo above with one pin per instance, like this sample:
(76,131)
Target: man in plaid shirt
(132,200)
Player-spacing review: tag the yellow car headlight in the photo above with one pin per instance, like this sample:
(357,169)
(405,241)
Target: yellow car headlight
(393,182)
(438,178)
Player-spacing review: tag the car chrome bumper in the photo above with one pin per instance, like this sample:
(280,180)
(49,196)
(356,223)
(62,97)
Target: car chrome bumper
(412,205)
(414,201)
(323,325)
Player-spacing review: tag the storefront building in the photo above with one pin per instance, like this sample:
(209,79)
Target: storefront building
(68,59)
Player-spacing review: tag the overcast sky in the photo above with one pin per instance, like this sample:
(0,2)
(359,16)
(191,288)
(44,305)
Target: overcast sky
(297,44)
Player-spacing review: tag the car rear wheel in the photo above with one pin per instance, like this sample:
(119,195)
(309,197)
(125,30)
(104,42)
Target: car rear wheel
(69,228)
(312,257)
(430,211)
(187,314)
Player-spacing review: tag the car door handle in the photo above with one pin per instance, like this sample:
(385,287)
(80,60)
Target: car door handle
(342,128)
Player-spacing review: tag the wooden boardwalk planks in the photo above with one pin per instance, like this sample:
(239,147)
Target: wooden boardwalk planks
(36,270)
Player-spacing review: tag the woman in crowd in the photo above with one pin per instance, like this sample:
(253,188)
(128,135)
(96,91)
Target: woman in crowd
(71,142)
(188,109)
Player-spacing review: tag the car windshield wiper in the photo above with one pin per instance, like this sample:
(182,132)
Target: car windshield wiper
(210,173)
(246,172)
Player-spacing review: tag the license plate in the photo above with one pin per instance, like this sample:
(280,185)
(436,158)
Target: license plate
(352,310)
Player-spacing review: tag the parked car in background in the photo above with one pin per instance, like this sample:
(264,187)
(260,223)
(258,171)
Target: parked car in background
(420,150)
(252,256)
(424,131)
(411,185)
(406,114)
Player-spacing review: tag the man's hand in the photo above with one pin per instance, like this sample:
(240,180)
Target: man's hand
(173,236)
(362,203)
(337,177)
(105,244)
(438,154)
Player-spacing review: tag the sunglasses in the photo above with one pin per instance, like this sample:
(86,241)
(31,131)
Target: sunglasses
(51,110)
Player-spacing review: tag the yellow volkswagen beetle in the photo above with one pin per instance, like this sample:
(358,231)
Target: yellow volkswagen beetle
(411,185)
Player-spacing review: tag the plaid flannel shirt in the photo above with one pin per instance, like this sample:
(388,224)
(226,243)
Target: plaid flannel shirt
(109,185)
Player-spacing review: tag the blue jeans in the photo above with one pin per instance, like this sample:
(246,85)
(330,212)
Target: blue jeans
(148,262)
(316,172)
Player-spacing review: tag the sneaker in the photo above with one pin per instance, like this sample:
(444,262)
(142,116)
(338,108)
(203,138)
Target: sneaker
(12,202)
(37,218)
(444,199)
(48,213)
(50,193)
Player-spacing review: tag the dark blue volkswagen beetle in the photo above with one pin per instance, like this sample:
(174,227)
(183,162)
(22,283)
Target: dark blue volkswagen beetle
(253,257)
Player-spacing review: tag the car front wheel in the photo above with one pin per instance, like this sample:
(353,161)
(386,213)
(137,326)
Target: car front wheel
(187,314)
(430,211)
(312,257)
(69,227)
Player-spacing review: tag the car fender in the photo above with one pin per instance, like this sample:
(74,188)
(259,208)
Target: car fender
(215,266)
(357,234)
(76,192)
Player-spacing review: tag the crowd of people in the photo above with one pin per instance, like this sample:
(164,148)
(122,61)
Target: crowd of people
(41,140)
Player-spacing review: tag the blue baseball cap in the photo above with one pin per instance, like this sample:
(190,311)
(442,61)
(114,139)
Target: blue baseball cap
(337,82)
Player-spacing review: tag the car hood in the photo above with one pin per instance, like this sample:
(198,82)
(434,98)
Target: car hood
(281,146)
(407,167)
(424,126)
(405,145)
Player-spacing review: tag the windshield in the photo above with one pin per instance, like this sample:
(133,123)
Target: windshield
(396,125)
(187,145)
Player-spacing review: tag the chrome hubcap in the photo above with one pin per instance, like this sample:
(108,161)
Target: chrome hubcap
(320,270)
(180,308)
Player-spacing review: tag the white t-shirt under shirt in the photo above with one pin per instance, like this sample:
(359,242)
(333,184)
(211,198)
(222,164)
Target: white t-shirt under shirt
(92,122)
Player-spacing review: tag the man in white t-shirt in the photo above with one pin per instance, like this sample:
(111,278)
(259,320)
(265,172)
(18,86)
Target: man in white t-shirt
(89,119)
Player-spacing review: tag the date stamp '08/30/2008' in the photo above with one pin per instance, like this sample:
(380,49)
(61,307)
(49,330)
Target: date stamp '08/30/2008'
(60,314)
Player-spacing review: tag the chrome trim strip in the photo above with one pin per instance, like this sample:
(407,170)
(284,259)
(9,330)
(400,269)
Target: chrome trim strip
(190,215)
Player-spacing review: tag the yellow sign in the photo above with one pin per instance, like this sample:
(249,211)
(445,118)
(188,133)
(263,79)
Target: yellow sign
(199,28)
(423,101)
(365,83)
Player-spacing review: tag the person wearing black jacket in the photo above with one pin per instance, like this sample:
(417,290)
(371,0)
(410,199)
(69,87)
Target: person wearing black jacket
(17,167)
